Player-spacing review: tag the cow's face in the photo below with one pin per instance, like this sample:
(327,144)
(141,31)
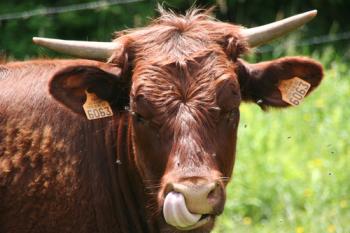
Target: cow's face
(185,119)
(184,101)
(186,88)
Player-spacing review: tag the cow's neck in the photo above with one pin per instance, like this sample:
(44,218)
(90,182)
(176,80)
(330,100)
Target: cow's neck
(112,155)
(130,186)
(118,194)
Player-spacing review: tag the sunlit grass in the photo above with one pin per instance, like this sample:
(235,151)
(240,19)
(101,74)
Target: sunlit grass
(292,170)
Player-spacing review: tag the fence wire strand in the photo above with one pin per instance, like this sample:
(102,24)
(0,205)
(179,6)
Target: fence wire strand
(63,9)
(101,4)
(309,41)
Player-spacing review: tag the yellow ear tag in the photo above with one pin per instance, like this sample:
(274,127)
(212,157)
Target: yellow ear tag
(293,90)
(95,108)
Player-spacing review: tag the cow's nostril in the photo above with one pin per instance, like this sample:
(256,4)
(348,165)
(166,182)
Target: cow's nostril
(214,194)
(200,198)
(168,188)
(211,194)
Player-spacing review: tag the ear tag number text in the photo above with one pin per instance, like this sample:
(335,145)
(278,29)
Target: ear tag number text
(293,90)
(95,108)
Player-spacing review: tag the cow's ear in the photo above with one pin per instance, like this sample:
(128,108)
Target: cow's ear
(69,85)
(267,82)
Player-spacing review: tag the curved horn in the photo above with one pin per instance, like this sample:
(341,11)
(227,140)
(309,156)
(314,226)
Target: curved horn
(263,34)
(83,49)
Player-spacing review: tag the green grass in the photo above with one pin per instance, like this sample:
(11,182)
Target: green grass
(292,171)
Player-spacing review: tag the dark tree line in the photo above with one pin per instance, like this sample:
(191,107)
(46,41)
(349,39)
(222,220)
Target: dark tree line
(99,24)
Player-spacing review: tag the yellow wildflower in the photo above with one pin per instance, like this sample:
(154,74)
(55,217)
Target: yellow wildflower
(307,117)
(320,103)
(299,230)
(247,221)
(343,204)
(316,163)
(331,229)
(308,192)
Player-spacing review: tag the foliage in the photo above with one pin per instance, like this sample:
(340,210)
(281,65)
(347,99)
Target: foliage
(99,24)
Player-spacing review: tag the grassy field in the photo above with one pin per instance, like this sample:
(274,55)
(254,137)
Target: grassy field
(292,169)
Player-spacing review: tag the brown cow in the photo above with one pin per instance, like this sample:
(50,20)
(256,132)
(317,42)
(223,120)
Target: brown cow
(159,165)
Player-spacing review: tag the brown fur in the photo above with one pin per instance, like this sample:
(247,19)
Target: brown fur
(60,172)
(50,160)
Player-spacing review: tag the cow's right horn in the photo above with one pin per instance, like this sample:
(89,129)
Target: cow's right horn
(83,49)
(263,34)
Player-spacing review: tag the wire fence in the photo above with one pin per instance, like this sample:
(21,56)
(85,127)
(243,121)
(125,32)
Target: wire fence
(63,9)
(103,4)
(323,39)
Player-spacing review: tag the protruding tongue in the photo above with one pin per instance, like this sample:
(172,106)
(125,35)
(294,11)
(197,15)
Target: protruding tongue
(176,213)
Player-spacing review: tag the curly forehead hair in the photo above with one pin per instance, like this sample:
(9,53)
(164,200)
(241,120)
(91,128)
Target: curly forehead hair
(178,38)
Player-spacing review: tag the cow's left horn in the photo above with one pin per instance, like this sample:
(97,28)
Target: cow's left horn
(263,34)
(83,49)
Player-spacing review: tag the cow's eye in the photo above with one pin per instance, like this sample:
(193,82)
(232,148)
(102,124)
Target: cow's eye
(138,117)
(145,121)
(231,115)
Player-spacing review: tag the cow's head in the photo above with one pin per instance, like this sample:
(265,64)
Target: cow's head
(187,85)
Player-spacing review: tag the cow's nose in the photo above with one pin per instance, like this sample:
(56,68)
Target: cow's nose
(200,198)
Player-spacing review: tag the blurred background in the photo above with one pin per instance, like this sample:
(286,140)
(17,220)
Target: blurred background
(97,20)
(292,172)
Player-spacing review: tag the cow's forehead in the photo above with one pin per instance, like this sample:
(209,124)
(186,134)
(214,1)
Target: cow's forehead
(188,75)
(180,62)
(165,88)
(185,42)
